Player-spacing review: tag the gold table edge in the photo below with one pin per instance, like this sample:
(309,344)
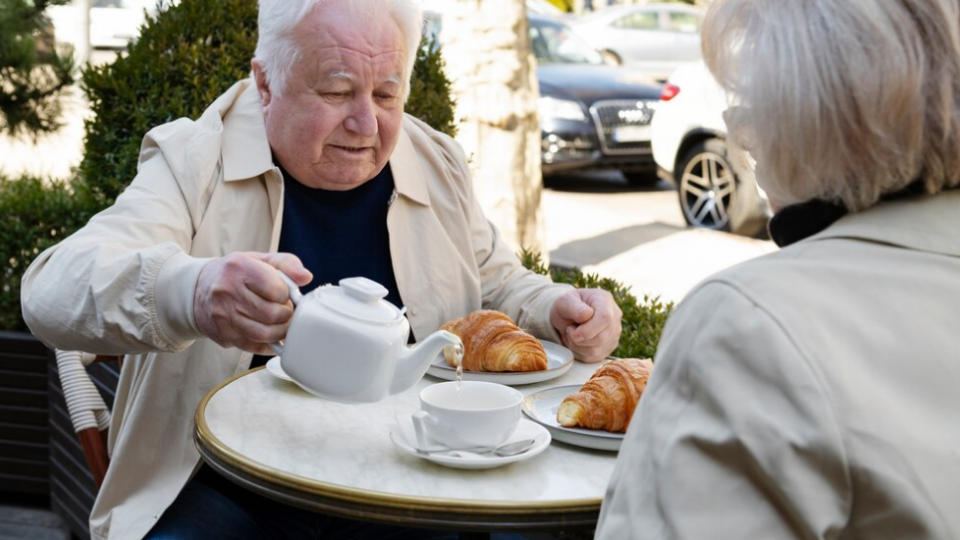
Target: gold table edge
(407,502)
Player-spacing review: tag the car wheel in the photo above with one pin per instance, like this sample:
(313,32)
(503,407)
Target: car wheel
(713,196)
(611,58)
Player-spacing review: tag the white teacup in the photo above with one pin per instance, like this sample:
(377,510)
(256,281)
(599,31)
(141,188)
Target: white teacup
(479,414)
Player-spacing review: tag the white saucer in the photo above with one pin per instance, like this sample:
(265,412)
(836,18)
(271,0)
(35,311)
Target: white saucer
(401,435)
(559,361)
(273,366)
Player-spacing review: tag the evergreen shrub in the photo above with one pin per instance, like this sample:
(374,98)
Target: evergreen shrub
(34,215)
(643,321)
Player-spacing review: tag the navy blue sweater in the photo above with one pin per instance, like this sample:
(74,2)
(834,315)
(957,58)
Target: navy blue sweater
(339,234)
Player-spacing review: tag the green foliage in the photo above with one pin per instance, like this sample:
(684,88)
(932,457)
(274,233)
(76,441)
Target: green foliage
(33,73)
(34,215)
(185,58)
(430,98)
(642,321)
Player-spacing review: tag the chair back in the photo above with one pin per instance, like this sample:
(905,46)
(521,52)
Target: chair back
(88,412)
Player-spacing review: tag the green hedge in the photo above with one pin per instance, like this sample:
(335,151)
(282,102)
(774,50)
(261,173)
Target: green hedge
(642,320)
(34,215)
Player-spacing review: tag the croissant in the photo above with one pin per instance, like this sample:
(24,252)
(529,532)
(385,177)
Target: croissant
(607,400)
(492,342)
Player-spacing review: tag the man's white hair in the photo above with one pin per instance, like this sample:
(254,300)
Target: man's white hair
(277,50)
(841,100)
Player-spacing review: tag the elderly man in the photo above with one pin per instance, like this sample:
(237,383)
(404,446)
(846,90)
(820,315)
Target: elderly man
(312,164)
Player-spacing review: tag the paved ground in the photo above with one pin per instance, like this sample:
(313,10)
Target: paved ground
(21,523)
(637,236)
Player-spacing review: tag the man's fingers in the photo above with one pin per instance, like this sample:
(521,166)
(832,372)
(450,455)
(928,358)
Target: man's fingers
(290,265)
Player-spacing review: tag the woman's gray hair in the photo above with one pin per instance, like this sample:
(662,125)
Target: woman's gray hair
(277,50)
(841,100)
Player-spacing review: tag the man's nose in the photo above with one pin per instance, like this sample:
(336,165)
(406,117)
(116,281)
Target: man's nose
(362,119)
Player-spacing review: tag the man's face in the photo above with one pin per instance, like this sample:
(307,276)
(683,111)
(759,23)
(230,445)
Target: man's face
(337,121)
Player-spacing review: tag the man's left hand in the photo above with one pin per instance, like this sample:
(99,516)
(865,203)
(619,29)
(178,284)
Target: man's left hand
(589,323)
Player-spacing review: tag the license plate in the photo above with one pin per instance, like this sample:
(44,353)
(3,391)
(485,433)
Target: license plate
(626,134)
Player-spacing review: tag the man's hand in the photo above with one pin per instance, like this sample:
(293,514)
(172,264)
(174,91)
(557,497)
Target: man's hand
(241,300)
(589,323)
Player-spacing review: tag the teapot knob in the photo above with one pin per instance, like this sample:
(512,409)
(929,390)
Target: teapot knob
(363,289)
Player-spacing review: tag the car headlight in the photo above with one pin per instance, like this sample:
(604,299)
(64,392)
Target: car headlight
(561,109)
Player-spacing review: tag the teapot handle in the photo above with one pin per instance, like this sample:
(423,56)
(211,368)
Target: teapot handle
(295,296)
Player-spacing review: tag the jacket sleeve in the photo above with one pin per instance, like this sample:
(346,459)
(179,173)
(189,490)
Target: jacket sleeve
(97,291)
(735,436)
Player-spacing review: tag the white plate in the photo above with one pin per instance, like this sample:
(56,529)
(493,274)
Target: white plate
(273,366)
(542,407)
(401,435)
(559,361)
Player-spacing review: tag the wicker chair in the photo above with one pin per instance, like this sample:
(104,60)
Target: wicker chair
(88,412)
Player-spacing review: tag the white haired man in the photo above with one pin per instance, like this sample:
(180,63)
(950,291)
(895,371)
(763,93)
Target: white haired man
(812,393)
(310,164)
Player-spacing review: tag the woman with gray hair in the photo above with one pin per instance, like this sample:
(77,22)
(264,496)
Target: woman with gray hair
(812,393)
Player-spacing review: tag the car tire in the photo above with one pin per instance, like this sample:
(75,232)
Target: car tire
(641,179)
(611,58)
(713,196)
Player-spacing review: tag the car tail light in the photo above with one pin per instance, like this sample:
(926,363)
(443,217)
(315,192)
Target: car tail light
(669,91)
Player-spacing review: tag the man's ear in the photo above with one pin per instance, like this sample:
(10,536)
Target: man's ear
(260,76)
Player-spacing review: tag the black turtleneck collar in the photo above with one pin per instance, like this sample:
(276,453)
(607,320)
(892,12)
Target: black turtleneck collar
(798,221)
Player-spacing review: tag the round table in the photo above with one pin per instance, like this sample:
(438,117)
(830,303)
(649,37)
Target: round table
(272,437)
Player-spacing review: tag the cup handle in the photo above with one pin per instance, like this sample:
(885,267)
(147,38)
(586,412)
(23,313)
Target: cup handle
(420,419)
(295,296)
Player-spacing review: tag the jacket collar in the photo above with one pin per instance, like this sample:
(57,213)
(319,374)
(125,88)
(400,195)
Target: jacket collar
(246,152)
(925,223)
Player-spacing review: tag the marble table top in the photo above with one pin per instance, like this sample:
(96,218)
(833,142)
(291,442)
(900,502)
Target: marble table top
(275,435)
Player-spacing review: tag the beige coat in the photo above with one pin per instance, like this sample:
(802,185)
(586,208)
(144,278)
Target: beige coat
(124,284)
(813,393)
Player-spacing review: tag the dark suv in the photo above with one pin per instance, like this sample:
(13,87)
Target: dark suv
(592,115)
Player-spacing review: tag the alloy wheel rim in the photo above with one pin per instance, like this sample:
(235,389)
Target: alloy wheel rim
(706,191)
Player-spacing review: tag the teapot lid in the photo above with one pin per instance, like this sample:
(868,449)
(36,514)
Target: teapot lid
(360,298)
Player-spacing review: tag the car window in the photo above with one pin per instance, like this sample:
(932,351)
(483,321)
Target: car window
(687,23)
(556,44)
(640,20)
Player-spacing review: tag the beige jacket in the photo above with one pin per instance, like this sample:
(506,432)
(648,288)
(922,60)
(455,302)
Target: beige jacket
(813,393)
(124,284)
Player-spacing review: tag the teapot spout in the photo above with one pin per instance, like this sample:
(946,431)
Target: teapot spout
(414,361)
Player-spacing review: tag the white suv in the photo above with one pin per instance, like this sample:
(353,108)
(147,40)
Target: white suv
(690,148)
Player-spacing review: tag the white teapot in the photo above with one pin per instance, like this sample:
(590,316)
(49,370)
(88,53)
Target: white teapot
(348,344)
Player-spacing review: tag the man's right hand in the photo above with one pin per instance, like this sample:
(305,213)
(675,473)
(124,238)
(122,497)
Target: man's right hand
(241,300)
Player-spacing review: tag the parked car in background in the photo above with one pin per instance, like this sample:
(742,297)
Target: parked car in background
(654,38)
(690,147)
(593,116)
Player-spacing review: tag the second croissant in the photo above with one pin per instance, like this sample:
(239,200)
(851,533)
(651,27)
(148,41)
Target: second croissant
(492,342)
